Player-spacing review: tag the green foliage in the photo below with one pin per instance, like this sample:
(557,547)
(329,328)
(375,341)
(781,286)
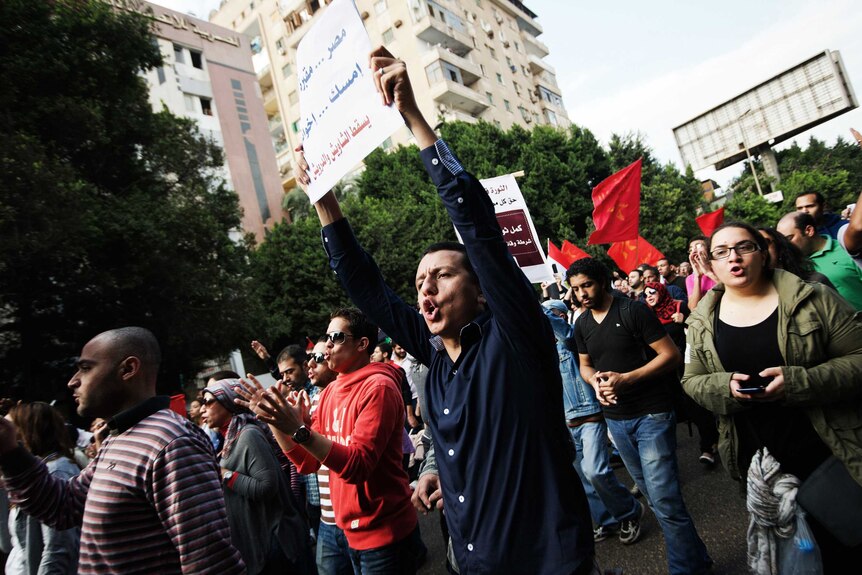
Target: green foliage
(747,206)
(834,185)
(110,214)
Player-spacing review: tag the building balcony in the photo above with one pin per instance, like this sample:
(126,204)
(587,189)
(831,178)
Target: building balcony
(534,46)
(470,71)
(459,97)
(443,34)
(270,101)
(525,17)
(539,67)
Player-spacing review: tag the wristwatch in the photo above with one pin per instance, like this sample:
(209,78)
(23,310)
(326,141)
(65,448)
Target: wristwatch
(228,475)
(302,434)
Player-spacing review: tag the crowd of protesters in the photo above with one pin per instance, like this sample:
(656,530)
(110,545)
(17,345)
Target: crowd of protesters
(502,409)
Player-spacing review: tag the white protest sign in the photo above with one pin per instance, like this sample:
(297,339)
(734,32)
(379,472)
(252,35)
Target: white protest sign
(518,229)
(342,115)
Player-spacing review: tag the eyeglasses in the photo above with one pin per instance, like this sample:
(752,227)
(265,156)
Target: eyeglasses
(338,337)
(209,402)
(742,248)
(316,357)
(650,291)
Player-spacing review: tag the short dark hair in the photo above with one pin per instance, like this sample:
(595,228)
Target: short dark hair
(454,247)
(818,197)
(224,374)
(385,347)
(135,341)
(359,324)
(802,220)
(293,351)
(651,268)
(593,269)
(699,237)
(639,270)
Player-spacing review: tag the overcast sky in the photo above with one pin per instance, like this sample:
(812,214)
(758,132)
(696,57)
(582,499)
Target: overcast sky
(629,66)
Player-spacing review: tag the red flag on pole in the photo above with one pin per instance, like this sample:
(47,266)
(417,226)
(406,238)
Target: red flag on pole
(617,201)
(630,254)
(556,256)
(571,249)
(708,222)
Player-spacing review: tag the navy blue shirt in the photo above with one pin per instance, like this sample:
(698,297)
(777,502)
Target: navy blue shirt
(514,503)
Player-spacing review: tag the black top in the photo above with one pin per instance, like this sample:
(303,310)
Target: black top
(622,344)
(786,431)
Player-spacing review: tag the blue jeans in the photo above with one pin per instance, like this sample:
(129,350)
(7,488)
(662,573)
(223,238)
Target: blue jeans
(333,554)
(610,502)
(647,445)
(399,558)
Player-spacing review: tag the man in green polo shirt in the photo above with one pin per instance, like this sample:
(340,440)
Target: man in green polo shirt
(828,257)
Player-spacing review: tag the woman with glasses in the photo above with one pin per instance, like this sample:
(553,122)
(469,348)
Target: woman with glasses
(780,361)
(36,547)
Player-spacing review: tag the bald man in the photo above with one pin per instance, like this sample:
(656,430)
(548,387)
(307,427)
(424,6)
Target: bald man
(151,500)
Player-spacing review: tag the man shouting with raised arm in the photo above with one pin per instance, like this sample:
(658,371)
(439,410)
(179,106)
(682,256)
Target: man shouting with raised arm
(514,503)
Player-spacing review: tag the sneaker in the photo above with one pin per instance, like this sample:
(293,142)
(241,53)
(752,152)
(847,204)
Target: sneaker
(602,532)
(630,531)
(707,458)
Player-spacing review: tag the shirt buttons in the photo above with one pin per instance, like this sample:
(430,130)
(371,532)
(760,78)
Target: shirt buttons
(451,452)
(461,498)
(460,200)
(446,411)
(469,546)
(435,161)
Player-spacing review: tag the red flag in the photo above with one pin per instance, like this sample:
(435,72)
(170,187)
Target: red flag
(708,222)
(572,250)
(558,257)
(617,201)
(630,254)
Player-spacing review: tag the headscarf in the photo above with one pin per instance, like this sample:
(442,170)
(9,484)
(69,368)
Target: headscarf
(666,306)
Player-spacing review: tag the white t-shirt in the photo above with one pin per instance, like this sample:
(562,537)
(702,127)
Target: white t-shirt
(857,257)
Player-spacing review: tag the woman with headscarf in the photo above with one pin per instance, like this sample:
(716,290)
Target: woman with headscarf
(672,314)
(36,547)
(265,522)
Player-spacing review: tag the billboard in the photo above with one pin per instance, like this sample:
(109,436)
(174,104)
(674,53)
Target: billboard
(795,100)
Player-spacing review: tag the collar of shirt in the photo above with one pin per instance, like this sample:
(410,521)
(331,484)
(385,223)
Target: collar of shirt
(470,333)
(827,247)
(130,417)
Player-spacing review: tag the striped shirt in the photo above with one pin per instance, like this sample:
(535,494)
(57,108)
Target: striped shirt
(327,514)
(150,501)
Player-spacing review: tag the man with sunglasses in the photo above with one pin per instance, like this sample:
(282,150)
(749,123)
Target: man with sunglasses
(493,391)
(356,432)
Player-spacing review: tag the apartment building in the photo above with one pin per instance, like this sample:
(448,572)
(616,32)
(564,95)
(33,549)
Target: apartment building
(207,75)
(468,60)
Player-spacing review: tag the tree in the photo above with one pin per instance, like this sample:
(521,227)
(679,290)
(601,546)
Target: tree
(110,214)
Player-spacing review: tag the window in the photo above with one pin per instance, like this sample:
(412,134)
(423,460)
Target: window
(490,97)
(190,103)
(517,88)
(206,107)
(492,52)
(387,144)
(509,63)
(507,105)
(286,70)
(525,71)
(380,6)
(434,72)
(279,45)
(552,117)
(517,47)
(197,59)
(178,54)
(499,78)
(482,67)
(295,127)
(293,98)
(388,36)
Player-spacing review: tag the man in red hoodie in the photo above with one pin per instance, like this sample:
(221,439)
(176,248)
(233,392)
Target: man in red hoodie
(356,432)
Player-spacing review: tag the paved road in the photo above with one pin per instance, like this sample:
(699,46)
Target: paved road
(711,496)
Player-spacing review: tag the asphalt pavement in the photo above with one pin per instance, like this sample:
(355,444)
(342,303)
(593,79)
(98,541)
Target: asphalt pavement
(713,500)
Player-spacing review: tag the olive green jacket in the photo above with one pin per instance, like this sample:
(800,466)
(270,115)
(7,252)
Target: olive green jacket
(821,342)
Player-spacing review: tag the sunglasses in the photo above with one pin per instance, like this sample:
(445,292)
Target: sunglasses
(338,337)
(316,357)
(209,402)
(650,291)
(742,248)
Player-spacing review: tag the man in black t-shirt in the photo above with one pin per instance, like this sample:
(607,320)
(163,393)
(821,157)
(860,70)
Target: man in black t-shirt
(627,356)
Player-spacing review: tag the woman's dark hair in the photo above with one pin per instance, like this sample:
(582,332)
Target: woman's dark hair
(762,245)
(42,429)
(788,255)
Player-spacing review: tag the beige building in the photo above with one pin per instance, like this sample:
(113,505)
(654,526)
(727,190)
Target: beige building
(469,60)
(208,76)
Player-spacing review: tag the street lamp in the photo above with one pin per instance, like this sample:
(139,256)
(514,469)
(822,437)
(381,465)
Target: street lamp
(745,146)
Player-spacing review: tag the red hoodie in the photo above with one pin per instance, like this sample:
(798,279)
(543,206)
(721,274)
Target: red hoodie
(362,413)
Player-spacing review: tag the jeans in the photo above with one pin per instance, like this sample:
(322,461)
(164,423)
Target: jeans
(610,502)
(647,445)
(333,555)
(399,558)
